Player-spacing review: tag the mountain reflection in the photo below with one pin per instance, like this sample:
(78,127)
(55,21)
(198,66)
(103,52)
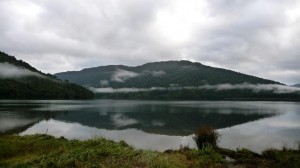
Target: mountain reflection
(157,125)
(169,118)
(170,122)
(16,117)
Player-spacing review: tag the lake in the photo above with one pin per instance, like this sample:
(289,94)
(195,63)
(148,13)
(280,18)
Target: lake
(157,125)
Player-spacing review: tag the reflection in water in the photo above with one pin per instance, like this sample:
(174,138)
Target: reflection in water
(9,124)
(157,125)
(274,132)
(134,137)
(171,118)
(17,117)
(120,120)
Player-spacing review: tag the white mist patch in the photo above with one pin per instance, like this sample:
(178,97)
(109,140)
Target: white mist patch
(122,75)
(255,87)
(121,120)
(11,71)
(278,89)
(104,83)
(124,90)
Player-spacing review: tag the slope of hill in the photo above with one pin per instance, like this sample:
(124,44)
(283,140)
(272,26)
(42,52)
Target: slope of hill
(296,85)
(158,74)
(19,80)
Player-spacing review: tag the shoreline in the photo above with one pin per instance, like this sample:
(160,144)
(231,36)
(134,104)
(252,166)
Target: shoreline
(43,150)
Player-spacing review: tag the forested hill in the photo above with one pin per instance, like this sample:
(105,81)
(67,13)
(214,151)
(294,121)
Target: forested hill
(296,85)
(158,74)
(19,80)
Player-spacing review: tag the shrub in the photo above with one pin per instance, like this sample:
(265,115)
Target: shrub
(206,137)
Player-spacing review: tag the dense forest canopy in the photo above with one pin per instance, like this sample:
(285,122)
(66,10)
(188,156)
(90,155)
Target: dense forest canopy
(177,80)
(158,74)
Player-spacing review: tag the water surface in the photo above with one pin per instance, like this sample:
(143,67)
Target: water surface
(157,125)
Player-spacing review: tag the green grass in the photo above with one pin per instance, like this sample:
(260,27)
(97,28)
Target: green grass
(283,158)
(47,151)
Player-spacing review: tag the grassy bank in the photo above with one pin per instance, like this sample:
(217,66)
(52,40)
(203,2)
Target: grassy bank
(47,151)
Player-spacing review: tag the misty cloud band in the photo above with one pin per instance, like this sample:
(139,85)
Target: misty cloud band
(279,89)
(121,75)
(11,71)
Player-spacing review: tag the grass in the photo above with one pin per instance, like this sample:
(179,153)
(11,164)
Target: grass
(47,151)
(206,137)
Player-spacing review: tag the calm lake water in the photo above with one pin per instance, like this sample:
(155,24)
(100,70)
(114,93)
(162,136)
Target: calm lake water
(157,125)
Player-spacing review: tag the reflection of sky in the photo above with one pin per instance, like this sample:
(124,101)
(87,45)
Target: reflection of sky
(134,137)
(121,120)
(128,105)
(274,132)
(7,124)
(12,120)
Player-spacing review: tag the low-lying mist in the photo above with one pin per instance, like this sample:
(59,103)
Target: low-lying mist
(121,75)
(279,89)
(11,71)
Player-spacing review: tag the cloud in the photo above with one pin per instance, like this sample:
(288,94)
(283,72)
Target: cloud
(256,88)
(11,71)
(71,35)
(121,90)
(278,89)
(104,83)
(121,75)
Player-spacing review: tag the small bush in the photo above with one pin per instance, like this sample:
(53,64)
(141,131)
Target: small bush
(206,137)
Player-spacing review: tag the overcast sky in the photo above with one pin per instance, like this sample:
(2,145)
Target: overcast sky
(257,37)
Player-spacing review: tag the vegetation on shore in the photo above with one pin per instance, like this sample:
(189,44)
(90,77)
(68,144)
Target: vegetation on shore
(47,151)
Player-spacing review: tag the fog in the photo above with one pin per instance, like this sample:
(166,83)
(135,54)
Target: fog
(121,75)
(120,90)
(279,89)
(255,87)
(11,71)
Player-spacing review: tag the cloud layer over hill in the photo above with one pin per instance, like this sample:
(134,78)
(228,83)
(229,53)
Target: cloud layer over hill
(279,89)
(11,71)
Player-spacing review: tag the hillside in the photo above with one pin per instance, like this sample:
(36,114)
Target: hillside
(296,85)
(19,80)
(158,74)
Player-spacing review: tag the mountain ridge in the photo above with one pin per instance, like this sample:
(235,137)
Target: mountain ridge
(296,85)
(158,74)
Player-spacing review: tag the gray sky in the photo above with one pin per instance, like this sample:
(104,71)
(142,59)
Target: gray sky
(257,37)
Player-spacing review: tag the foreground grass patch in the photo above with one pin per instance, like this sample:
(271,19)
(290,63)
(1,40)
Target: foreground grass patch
(47,151)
